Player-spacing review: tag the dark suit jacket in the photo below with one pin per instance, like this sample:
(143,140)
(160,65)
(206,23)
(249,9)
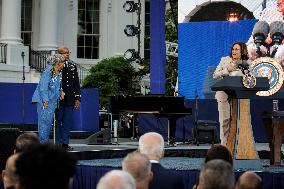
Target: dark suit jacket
(70,84)
(165,179)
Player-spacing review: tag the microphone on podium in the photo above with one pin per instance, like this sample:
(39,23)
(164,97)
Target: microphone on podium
(277,35)
(260,32)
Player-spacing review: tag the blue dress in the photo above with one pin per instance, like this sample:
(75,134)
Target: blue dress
(48,89)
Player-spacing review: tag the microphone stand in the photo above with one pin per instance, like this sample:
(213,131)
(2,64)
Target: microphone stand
(194,140)
(23,92)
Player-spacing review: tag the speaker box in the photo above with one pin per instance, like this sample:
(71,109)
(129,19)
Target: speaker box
(101,137)
(205,132)
(8,138)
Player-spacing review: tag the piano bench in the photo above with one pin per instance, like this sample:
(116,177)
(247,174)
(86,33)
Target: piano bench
(206,132)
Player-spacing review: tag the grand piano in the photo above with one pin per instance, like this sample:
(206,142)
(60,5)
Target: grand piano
(170,106)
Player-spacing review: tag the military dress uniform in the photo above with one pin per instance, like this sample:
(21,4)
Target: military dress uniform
(64,114)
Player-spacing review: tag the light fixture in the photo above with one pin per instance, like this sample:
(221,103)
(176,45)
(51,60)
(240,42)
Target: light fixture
(232,17)
(131,55)
(130,6)
(131,30)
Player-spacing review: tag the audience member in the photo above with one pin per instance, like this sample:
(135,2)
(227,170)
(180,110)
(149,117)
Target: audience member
(139,166)
(45,166)
(218,151)
(116,179)
(25,141)
(9,176)
(249,180)
(216,174)
(152,145)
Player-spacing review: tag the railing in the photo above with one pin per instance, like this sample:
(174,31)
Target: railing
(38,59)
(38,62)
(3,53)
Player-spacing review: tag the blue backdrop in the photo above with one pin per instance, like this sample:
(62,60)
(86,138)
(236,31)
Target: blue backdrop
(202,44)
(11,108)
(157,47)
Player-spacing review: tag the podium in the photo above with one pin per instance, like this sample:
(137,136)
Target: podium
(240,140)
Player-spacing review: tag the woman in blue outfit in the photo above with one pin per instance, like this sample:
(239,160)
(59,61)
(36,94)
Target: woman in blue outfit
(46,95)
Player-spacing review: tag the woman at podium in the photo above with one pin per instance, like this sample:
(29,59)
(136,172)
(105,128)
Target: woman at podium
(229,66)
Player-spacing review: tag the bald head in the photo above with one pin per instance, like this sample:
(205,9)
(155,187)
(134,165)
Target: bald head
(139,166)
(116,179)
(249,180)
(9,175)
(152,145)
(64,51)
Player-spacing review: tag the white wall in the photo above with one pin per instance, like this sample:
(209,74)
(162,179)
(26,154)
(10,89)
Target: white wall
(113,20)
(113,41)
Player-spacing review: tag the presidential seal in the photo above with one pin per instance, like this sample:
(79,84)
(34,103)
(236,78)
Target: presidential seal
(270,68)
(249,80)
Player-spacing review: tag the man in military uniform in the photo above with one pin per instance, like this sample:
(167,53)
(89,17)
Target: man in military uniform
(70,99)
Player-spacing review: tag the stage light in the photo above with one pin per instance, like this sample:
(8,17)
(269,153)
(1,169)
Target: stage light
(232,17)
(131,55)
(130,6)
(131,30)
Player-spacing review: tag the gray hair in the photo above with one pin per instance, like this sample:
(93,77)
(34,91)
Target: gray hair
(116,179)
(138,165)
(151,144)
(25,141)
(56,58)
(216,174)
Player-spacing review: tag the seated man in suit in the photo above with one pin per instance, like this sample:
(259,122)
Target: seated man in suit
(249,180)
(9,176)
(26,141)
(138,165)
(216,173)
(152,145)
(45,166)
(116,179)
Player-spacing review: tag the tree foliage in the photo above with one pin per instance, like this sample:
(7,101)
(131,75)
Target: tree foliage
(112,76)
(171,36)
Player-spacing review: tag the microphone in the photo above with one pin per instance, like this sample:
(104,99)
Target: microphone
(243,65)
(277,35)
(260,32)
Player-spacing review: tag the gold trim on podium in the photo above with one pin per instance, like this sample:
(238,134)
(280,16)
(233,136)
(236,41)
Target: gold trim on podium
(240,140)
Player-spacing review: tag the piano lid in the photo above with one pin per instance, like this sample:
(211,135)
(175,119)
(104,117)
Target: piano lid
(149,104)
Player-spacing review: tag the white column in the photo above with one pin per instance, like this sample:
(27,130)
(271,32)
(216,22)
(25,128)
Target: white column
(48,25)
(11,22)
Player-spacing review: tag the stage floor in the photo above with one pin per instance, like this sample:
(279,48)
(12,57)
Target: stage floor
(184,156)
(127,143)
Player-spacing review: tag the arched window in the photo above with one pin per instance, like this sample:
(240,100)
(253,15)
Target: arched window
(220,11)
